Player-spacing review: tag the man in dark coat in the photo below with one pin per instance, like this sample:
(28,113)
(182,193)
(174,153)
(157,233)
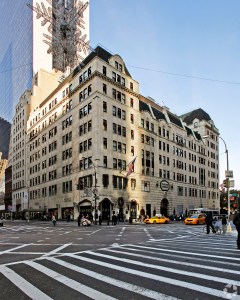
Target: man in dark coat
(209,222)
(236,222)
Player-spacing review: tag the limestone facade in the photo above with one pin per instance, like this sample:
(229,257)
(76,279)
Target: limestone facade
(93,125)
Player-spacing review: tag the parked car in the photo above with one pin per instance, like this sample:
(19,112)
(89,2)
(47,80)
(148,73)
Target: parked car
(195,219)
(157,220)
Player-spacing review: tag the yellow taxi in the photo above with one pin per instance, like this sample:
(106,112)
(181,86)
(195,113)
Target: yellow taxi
(157,220)
(195,219)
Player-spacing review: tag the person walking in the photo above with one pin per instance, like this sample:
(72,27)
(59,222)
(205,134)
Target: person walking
(236,222)
(209,222)
(1,221)
(224,224)
(79,220)
(54,220)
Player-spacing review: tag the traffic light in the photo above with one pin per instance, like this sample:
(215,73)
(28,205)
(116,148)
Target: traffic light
(225,183)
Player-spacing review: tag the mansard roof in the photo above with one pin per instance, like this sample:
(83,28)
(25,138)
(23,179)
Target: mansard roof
(158,114)
(189,130)
(175,120)
(198,136)
(144,106)
(101,53)
(199,114)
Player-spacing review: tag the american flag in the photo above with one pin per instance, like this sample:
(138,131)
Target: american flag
(222,187)
(131,167)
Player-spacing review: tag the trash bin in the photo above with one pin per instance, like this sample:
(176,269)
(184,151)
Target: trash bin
(130,220)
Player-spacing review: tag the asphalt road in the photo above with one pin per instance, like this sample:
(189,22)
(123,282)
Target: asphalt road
(167,261)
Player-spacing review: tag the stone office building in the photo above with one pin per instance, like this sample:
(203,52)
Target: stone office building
(83,136)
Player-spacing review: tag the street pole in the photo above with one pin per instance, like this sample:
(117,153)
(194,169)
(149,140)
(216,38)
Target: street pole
(95,196)
(229,227)
(94,191)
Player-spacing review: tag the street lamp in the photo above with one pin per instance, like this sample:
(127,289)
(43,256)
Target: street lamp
(229,228)
(94,191)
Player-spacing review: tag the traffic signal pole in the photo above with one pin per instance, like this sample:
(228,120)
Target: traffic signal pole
(229,227)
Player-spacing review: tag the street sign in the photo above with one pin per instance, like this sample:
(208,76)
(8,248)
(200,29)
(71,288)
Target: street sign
(229,174)
(164,185)
(231,183)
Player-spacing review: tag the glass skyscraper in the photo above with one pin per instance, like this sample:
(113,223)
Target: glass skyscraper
(16,54)
(22,50)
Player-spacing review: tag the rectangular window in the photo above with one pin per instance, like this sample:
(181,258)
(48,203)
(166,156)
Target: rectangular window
(114,110)
(104,70)
(114,163)
(114,146)
(145,186)
(104,88)
(104,106)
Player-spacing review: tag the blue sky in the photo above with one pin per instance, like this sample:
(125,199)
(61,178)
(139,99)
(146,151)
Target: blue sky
(199,38)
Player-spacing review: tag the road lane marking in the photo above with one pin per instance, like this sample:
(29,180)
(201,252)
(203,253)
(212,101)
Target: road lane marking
(57,249)
(93,232)
(148,234)
(172,261)
(12,249)
(132,248)
(171,281)
(124,285)
(26,287)
(81,288)
(193,254)
(168,269)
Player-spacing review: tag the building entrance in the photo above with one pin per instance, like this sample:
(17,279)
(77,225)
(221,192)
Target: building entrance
(106,209)
(164,207)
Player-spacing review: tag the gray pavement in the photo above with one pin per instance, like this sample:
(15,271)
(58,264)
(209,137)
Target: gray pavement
(169,261)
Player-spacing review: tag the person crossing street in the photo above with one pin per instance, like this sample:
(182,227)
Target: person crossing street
(236,222)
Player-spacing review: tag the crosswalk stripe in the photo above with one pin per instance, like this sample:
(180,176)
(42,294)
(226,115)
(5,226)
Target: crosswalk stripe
(23,285)
(203,247)
(172,261)
(201,259)
(171,281)
(167,269)
(124,285)
(81,288)
(190,253)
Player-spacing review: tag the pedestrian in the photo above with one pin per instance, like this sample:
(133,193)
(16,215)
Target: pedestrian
(79,220)
(108,219)
(224,224)
(236,222)
(1,221)
(114,219)
(209,222)
(100,220)
(54,220)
